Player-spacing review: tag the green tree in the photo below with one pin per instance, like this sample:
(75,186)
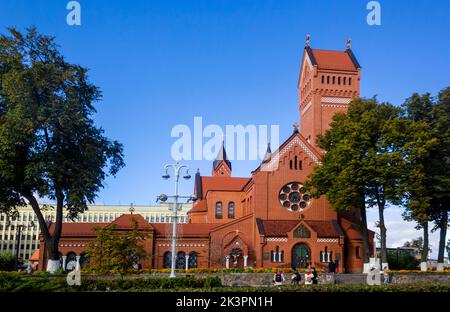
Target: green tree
(49,145)
(115,250)
(417,243)
(428,175)
(7,261)
(362,166)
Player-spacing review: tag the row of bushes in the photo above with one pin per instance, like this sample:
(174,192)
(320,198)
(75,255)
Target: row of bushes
(201,270)
(240,270)
(11,281)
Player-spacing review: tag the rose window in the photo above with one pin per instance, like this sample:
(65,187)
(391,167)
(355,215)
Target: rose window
(293,197)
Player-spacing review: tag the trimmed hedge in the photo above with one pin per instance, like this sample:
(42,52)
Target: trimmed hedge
(19,282)
(16,282)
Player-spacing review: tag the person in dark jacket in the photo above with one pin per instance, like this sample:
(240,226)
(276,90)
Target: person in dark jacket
(296,277)
(331,267)
(315,278)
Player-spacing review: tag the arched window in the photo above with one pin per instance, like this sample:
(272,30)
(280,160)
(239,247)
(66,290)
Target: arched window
(181,260)
(300,165)
(334,79)
(357,252)
(167,260)
(295,162)
(192,263)
(323,79)
(350,81)
(328,79)
(231,210)
(219,210)
(345,81)
(339,80)
(71,261)
(84,260)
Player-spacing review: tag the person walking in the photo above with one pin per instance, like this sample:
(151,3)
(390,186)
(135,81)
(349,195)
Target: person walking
(296,277)
(315,279)
(386,275)
(308,277)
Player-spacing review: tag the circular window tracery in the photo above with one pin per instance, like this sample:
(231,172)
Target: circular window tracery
(293,197)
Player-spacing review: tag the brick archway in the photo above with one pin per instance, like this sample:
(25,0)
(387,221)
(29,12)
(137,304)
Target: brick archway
(301,255)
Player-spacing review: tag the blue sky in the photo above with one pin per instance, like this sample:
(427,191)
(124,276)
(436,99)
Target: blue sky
(160,63)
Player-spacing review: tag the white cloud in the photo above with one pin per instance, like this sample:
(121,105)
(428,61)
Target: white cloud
(400,231)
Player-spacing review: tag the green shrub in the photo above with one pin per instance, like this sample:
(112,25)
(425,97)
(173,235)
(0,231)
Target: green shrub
(7,262)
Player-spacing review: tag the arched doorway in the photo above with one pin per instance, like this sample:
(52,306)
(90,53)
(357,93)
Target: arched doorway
(236,258)
(301,256)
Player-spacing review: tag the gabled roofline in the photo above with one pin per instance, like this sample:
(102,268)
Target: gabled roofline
(353,58)
(232,222)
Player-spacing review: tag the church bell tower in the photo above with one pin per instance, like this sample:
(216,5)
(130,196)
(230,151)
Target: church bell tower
(328,81)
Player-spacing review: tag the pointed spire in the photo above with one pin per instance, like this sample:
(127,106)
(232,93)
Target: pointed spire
(268,154)
(221,156)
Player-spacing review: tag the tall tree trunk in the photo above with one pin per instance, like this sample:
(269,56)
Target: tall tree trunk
(443,233)
(364,231)
(51,241)
(424,256)
(383,250)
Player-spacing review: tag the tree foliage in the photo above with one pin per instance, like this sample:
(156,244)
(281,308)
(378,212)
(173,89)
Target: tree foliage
(49,144)
(117,251)
(428,184)
(362,166)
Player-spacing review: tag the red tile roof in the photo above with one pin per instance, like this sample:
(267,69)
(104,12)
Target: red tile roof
(223,184)
(35,255)
(337,60)
(279,228)
(77,229)
(199,205)
(125,222)
(185,229)
(85,229)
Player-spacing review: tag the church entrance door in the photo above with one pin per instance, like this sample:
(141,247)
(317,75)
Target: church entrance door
(301,256)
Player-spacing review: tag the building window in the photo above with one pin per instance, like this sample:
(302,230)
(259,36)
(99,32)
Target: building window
(152,219)
(350,81)
(357,252)
(328,79)
(334,79)
(167,260)
(219,210)
(192,263)
(293,197)
(181,260)
(231,210)
(339,80)
(345,81)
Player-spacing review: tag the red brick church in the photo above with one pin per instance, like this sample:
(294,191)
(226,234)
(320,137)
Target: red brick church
(266,220)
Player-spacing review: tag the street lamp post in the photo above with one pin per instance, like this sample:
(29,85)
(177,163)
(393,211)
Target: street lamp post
(163,198)
(18,238)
